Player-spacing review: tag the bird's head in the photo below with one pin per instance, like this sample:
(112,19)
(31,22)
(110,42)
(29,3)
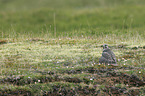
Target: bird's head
(105,46)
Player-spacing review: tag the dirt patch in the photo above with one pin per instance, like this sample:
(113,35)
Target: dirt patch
(109,77)
(65,91)
(132,80)
(15,93)
(73,80)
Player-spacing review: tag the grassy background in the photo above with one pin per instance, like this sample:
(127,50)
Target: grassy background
(75,18)
(53,39)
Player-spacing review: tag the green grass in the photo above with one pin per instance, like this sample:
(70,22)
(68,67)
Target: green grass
(69,20)
(32,61)
(53,46)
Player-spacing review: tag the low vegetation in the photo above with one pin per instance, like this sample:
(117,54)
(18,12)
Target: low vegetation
(53,47)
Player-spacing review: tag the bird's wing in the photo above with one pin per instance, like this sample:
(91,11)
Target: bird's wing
(106,55)
(113,56)
(108,58)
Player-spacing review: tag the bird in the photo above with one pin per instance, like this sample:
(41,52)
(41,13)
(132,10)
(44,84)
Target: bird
(108,57)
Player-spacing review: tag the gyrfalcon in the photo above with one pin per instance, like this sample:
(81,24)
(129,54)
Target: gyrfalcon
(108,57)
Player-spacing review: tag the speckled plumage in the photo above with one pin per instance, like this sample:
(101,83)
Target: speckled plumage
(108,57)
